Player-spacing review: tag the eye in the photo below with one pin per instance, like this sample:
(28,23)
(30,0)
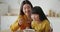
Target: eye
(28,7)
(24,7)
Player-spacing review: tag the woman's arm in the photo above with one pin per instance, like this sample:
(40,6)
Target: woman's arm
(15,26)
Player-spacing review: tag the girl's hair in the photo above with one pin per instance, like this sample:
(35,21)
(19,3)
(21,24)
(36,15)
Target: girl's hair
(24,2)
(38,10)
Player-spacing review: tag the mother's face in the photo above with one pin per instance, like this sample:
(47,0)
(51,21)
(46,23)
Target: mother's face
(27,9)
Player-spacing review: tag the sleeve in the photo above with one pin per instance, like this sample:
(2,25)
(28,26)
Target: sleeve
(47,27)
(15,25)
(32,24)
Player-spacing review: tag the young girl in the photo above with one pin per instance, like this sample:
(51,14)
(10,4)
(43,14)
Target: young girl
(40,22)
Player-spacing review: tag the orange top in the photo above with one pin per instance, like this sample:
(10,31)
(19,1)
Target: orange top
(15,25)
(24,23)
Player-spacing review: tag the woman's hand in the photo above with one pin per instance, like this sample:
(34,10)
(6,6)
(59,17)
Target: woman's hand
(27,28)
(20,21)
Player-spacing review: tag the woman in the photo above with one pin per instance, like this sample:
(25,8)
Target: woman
(24,19)
(40,22)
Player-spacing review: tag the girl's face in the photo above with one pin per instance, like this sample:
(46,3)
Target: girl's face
(35,17)
(27,9)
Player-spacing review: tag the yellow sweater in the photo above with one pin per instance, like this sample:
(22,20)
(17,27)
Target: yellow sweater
(15,25)
(41,27)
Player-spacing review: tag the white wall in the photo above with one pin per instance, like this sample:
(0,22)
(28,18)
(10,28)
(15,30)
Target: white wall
(55,23)
(14,5)
(47,5)
(3,9)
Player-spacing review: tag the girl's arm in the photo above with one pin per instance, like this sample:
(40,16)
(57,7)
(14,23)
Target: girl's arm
(47,27)
(32,24)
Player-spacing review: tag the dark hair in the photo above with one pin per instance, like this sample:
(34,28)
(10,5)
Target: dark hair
(38,10)
(24,2)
